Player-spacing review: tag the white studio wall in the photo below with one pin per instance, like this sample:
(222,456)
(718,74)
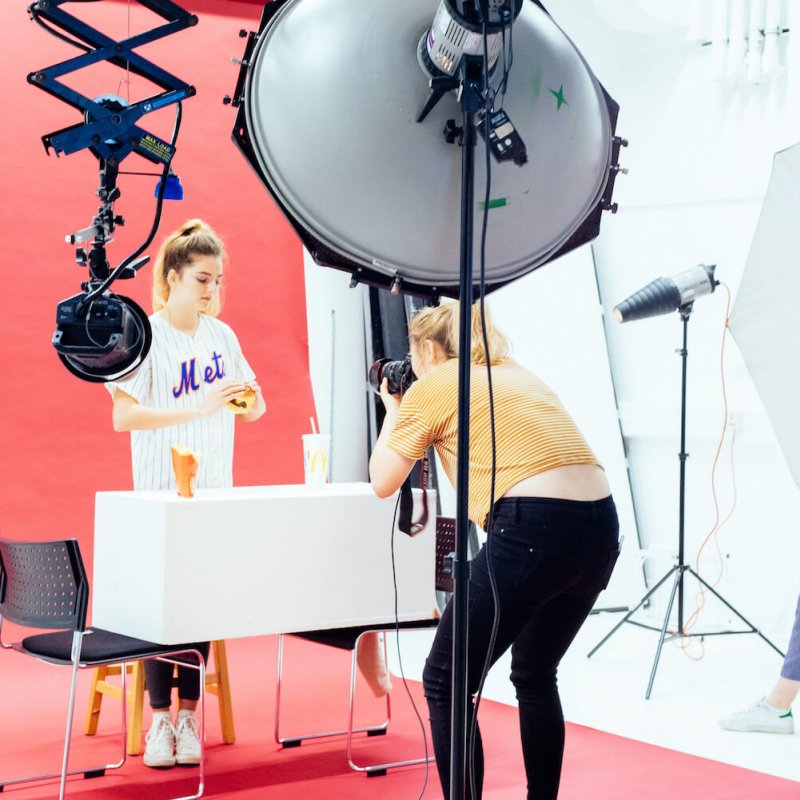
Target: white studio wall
(702,141)
(338,367)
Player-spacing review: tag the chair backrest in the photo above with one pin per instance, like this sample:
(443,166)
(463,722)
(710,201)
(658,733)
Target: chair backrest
(43,584)
(445,547)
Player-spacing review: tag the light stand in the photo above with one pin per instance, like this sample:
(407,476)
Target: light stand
(680,569)
(471,76)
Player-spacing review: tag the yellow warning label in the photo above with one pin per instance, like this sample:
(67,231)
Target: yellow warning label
(154,148)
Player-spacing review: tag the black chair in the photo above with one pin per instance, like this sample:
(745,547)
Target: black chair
(348,639)
(44,585)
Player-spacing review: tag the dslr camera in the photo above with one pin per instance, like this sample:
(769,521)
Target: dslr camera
(399,375)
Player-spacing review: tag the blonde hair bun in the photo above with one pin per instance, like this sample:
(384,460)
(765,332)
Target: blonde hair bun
(194,238)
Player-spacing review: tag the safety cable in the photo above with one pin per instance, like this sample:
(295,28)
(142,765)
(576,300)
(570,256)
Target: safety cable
(156,218)
(399,654)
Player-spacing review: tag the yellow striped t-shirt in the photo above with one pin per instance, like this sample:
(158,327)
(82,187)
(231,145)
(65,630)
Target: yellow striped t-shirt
(533,431)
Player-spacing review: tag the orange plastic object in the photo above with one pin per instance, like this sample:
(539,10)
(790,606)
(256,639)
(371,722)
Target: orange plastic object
(185,464)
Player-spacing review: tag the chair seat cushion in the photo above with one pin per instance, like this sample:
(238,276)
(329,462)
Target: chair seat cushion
(346,638)
(98,646)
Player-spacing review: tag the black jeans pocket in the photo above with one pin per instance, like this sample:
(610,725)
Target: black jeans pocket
(604,575)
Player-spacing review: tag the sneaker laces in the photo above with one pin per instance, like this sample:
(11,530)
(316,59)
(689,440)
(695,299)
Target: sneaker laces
(161,730)
(761,705)
(187,725)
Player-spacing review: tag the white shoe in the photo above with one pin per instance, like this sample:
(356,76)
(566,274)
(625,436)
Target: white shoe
(760,717)
(160,743)
(187,739)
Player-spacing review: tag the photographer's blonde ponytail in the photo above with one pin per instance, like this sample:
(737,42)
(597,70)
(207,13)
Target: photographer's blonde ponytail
(440,324)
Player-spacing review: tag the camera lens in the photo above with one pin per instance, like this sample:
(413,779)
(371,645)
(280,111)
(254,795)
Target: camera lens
(399,375)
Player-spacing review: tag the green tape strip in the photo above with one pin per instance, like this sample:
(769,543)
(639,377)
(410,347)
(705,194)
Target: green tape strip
(498,203)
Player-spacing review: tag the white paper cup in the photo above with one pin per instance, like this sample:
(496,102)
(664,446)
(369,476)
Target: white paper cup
(316,452)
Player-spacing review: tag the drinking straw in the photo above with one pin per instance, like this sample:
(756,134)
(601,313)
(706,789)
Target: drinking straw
(313,425)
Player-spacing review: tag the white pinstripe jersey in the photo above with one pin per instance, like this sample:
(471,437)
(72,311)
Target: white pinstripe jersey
(178,372)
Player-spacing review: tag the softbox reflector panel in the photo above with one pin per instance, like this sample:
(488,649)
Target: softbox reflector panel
(330,102)
(765,321)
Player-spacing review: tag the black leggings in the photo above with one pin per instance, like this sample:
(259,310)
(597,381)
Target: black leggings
(158,679)
(551,559)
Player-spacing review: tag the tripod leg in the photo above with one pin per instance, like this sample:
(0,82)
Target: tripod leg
(676,583)
(747,622)
(629,614)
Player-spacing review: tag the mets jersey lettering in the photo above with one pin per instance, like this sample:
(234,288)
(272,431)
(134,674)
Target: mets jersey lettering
(189,382)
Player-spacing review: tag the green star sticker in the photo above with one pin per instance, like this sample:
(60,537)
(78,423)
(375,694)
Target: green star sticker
(559,96)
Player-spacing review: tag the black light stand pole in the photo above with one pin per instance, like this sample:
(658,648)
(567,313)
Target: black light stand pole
(681,568)
(471,102)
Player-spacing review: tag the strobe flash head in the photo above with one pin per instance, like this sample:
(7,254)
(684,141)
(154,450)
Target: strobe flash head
(664,295)
(457,30)
(101,339)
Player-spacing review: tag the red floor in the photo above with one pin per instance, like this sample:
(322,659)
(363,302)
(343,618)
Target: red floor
(597,765)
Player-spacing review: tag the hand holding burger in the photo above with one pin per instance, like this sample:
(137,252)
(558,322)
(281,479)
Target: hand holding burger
(243,402)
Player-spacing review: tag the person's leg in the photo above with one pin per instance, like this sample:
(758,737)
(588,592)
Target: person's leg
(158,680)
(785,690)
(536,654)
(371,660)
(189,678)
(160,739)
(580,551)
(773,714)
(511,556)
(783,693)
(564,554)
(187,731)
(437,675)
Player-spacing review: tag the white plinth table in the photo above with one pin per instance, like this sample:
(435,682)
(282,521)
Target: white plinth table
(255,560)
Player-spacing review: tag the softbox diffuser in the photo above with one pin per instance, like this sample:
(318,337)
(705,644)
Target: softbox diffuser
(765,320)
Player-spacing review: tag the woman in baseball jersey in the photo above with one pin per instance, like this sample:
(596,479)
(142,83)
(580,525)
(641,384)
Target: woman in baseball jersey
(552,528)
(177,397)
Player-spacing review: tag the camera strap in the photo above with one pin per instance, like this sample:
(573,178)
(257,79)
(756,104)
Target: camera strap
(407,501)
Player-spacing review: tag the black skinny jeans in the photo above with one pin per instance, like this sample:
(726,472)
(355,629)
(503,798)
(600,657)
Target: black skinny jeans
(551,559)
(158,678)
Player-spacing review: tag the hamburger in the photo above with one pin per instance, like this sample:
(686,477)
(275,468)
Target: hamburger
(244,402)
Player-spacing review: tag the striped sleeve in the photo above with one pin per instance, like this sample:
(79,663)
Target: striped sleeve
(412,434)
(138,384)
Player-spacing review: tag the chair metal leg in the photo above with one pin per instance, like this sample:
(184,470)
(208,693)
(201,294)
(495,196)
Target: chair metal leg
(64,773)
(98,771)
(373,770)
(76,657)
(217,683)
(296,741)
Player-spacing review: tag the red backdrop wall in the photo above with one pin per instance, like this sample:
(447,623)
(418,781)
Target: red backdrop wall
(58,446)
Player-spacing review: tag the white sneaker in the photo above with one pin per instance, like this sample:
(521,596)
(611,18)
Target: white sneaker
(187,739)
(160,743)
(760,717)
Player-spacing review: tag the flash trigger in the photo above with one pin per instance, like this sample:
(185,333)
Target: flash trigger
(505,142)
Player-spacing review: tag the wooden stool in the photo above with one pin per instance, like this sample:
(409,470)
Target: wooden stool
(217,683)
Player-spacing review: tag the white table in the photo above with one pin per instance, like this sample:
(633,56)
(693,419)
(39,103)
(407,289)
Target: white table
(254,560)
